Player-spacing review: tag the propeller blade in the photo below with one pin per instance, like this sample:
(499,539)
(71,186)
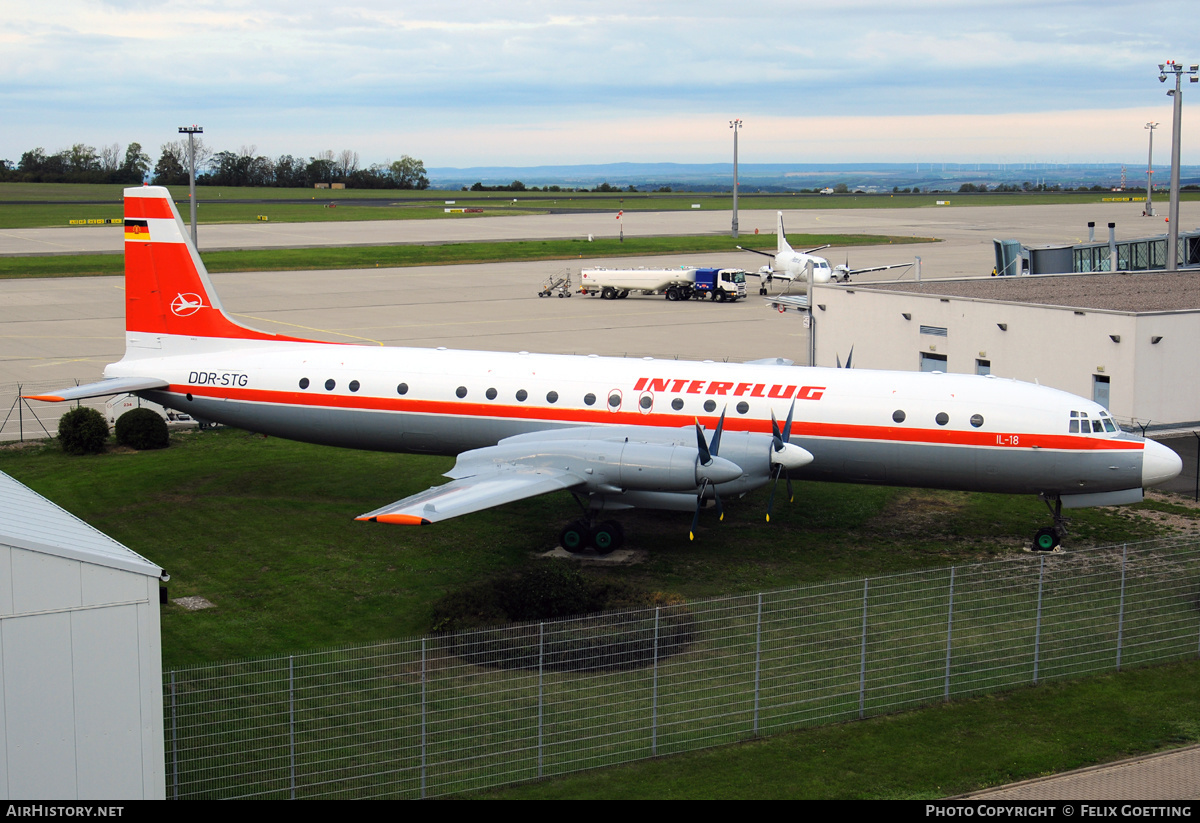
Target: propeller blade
(696,515)
(850,357)
(715,445)
(702,446)
(787,426)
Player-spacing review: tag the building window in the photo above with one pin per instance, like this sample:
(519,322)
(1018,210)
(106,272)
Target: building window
(983,366)
(1100,389)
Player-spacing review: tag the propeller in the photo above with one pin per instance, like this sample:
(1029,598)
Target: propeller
(707,459)
(849,358)
(784,455)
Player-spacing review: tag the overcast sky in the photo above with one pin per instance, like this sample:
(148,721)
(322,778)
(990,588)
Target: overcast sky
(486,82)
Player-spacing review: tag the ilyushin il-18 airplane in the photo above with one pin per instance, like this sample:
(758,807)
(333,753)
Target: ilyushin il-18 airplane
(617,433)
(804,266)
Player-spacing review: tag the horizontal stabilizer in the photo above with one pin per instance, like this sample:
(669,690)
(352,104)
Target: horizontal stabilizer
(481,491)
(105,388)
(783,302)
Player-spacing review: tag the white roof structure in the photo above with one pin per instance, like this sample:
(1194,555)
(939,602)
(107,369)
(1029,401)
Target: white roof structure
(30,521)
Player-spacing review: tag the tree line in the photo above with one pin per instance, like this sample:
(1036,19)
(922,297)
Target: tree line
(85,164)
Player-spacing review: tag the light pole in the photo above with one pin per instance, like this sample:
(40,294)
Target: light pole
(1150,173)
(191,132)
(735,125)
(1171,67)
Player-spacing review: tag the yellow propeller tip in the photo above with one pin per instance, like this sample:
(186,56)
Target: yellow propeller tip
(691,536)
(768,518)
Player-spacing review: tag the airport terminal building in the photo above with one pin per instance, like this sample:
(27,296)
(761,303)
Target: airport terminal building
(1130,341)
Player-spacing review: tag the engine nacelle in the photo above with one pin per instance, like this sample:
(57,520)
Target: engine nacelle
(608,466)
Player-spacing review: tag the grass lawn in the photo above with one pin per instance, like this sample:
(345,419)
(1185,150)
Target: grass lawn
(360,257)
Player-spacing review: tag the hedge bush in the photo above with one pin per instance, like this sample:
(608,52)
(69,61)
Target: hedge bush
(82,431)
(640,627)
(142,429)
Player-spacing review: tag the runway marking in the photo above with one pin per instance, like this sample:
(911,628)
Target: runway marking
(310,328)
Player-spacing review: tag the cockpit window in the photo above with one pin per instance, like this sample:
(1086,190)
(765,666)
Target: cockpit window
(1082,424)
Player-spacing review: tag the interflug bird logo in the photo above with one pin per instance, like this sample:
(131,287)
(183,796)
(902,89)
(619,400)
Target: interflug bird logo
(185,305)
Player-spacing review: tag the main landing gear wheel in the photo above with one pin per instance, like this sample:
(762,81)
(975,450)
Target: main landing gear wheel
(608,537)
(575,536)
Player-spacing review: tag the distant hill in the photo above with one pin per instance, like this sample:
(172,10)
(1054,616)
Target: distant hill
(796,176)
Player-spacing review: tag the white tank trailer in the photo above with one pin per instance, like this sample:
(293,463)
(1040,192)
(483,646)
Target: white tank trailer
(685,283)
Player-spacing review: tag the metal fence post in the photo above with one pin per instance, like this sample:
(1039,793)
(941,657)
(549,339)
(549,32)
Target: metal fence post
(1121,609)
(757,660)
(1037,631)
(292,721)
(654,692)
(174,740)
(541,658)
(423,678)
(949,635)
(862,666)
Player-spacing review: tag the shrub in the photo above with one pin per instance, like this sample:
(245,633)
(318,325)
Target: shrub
(634,636)
(142,429)
(82,431)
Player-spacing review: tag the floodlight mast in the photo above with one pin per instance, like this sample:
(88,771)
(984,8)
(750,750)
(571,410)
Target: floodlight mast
(736,125)
(191,132)
(1150,173)
(1168,68)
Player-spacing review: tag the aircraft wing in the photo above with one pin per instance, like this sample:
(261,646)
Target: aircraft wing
(756,251)
(104,388)
(878,268)
(490,487)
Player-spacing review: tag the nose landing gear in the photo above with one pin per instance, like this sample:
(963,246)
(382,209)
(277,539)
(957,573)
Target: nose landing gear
(1049,538)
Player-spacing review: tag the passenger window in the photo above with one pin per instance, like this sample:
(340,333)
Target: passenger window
(743,407)
(977,420)
(552,397)
(898,415)
(461,391)
(490,394)
(402,388)
(354,385)
(521,395)
(942,418)
(710,406)
(304,382)
(589,399)
(677,404)
(329,384)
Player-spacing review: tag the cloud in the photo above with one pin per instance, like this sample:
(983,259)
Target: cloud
(298,74)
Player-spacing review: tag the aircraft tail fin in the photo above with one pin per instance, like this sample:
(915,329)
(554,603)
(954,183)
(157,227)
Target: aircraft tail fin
(781,242)
(167,290)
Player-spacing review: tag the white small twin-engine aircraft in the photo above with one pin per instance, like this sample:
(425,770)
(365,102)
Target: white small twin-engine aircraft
(616,433)
(804,266)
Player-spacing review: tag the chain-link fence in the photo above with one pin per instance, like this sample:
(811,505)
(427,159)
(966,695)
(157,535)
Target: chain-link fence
(32,419)
(454,713)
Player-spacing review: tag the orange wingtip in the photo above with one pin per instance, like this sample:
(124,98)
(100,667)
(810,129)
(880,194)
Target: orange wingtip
(48,398)
(397,519)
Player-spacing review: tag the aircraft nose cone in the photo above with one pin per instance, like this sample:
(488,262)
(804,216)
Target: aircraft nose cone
(719,470)
(791,456)
(1159,464)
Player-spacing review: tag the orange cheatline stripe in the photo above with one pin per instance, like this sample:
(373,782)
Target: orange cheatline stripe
(47,398)
(145,207)
(800,428)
